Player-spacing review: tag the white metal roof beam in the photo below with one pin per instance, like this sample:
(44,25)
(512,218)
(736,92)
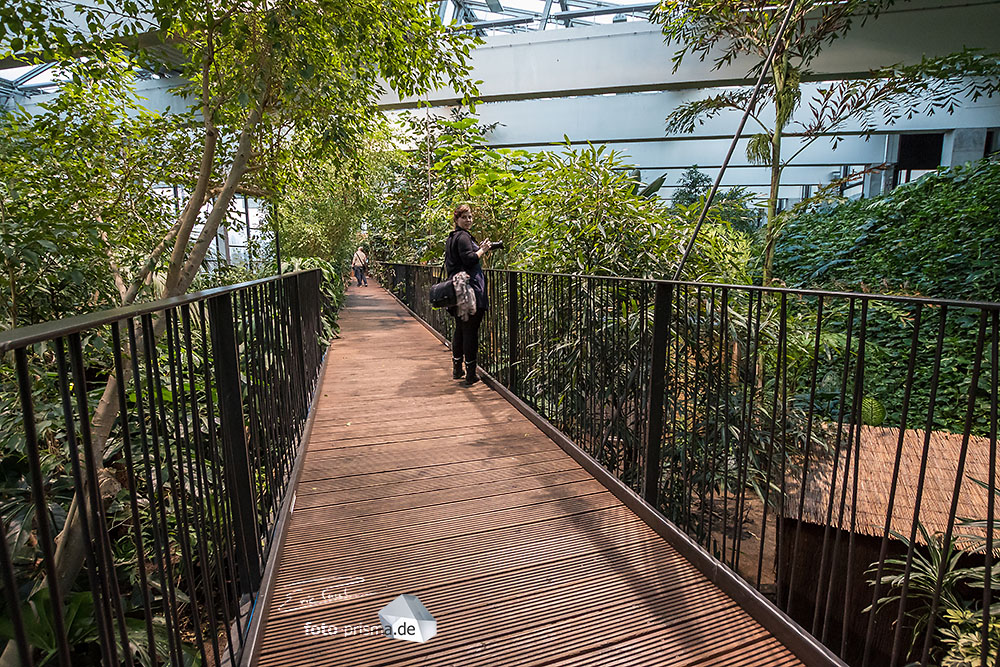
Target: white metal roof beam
(512,12)
(499,23)
(602,11)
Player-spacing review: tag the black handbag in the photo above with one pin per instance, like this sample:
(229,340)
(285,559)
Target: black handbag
(442,295)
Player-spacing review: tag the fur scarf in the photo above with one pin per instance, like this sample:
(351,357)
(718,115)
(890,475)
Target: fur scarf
(465,305)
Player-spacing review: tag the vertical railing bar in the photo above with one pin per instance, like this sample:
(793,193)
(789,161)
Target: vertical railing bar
(266,402)
(725,395)
(158,547)
(84,507)
(698,422)
(706,417)
(893,488)
(714,381)
(283,323)
(590,378)
(195,472)
(808,447)
(956,491)
(757,370)
(572,416)
(780,514)
(852,428)
(273,444)
(746,416)
(782,333)
(41,513)
(222,507)
(177,472)
(133,488)
(239,484)
(822,573)
(629,393)
(555,389)
(109,579)
(257,405)
(684,406)
(907,568)
(14,604)
(718,435)
(243,326)
(991,489)
(859,389)
(657,388)
(279,412)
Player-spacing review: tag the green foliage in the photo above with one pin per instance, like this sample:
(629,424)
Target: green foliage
(692,185)
(322,215)
(40,629)
(962,637)
(935,236)
(959,612)
(276,89)
(578,210)
(77,198)
(331,287)
(736,206)
(872,412)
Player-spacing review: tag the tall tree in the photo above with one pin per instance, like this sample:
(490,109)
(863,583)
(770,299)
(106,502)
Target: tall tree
(730,30)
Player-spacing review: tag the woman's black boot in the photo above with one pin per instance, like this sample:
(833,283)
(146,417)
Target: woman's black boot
(456,368)
(470,373)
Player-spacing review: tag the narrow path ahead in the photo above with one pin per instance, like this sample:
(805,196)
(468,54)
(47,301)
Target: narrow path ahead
(414,483)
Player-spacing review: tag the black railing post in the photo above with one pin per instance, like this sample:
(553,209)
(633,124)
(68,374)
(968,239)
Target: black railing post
(298,348)
(239,484)
(657,384)
(513,317)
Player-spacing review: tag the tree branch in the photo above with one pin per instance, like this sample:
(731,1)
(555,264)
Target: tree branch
(115,270)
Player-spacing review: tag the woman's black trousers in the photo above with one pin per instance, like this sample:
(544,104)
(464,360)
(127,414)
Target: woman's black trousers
(465,342)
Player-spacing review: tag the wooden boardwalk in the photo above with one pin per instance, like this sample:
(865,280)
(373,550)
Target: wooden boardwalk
(413,483)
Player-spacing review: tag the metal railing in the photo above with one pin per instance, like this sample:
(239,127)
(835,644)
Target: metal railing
(146,453)
(836,450)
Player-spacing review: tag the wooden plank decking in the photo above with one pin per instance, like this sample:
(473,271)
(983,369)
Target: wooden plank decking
(414,483)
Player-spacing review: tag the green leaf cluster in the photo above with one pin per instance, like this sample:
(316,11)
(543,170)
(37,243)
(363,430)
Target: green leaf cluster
(79,195)
(936,236)
(567,210)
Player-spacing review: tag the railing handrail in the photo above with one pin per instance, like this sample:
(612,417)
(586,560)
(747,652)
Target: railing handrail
(37,333)
(897,298)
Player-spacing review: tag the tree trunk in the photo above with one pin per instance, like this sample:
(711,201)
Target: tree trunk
(770,233)
(784,104)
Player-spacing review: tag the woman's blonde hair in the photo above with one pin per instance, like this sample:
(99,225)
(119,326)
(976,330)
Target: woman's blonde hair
(462,208)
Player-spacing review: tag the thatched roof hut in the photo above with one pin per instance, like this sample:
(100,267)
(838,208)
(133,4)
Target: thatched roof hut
(873,463)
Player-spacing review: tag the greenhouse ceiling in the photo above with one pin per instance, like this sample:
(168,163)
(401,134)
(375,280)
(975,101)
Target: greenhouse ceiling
(26,79)
(491,16)
(482,16)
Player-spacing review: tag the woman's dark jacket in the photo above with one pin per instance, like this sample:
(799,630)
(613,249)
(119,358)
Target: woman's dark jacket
(460,255)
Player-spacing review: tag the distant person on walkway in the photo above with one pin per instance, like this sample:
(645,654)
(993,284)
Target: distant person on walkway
(360,265)
(462,253)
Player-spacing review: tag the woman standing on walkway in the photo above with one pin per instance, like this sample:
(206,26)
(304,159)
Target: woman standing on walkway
(462,253)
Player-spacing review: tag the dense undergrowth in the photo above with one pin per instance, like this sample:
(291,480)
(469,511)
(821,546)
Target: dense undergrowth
(937,236)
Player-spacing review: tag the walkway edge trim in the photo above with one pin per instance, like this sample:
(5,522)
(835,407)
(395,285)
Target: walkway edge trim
(255,632)
(805,647)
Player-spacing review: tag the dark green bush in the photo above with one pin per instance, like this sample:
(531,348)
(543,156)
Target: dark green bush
(936,236)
